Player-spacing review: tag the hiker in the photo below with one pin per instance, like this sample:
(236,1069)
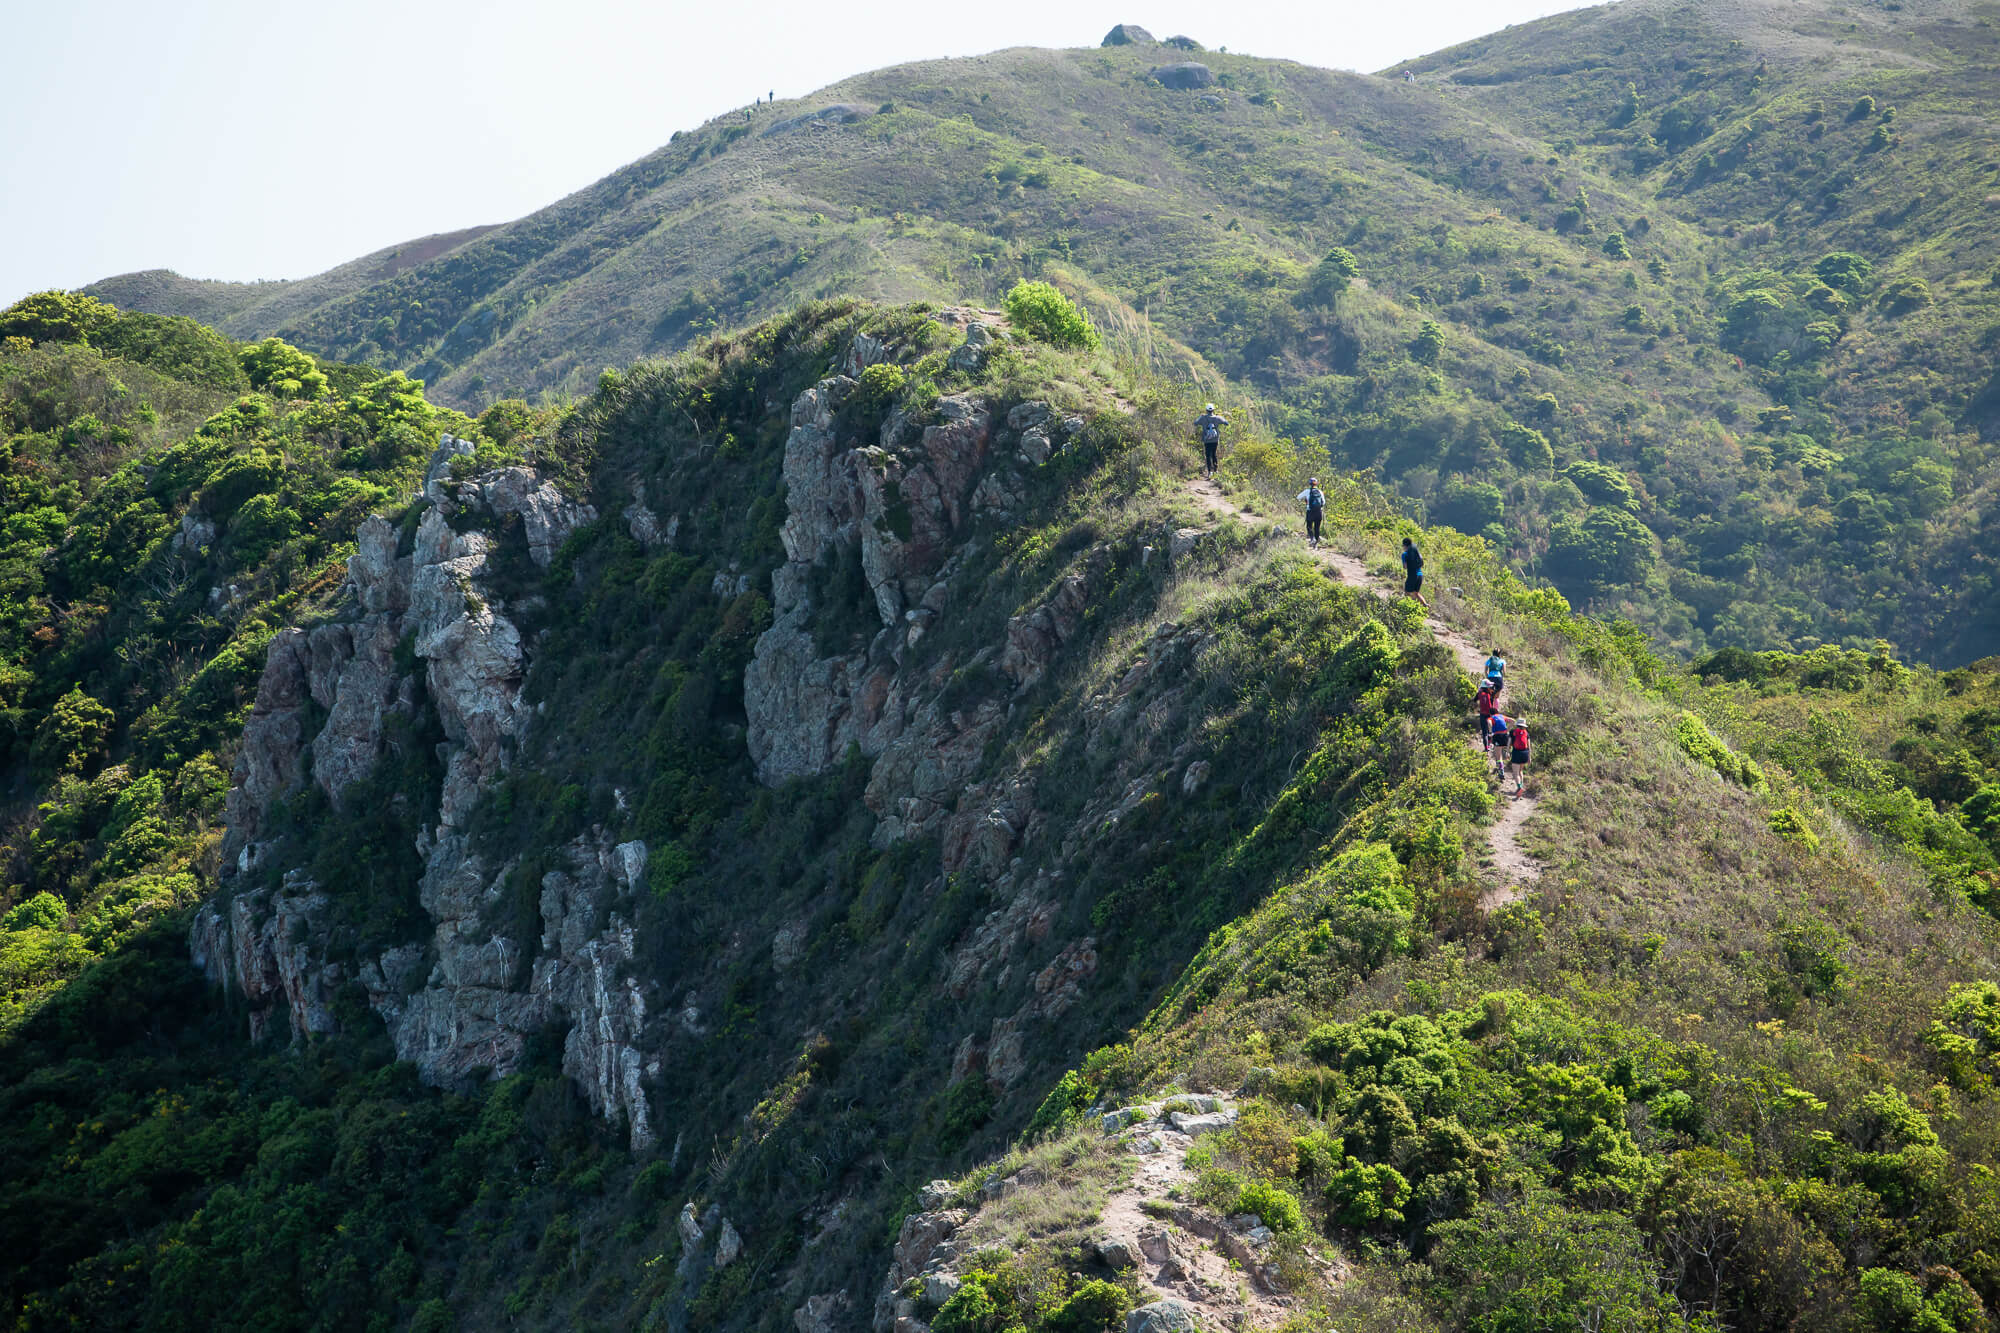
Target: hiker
(1499,735)
(1496,665)
(1487,705)
(1517,759)
(1210,425)
(1315,509)
(1413,571)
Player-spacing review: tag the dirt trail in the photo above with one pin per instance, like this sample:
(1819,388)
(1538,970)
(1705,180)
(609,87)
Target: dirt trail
(1512,866)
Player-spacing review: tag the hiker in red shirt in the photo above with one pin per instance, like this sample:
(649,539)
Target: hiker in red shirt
(1517,759)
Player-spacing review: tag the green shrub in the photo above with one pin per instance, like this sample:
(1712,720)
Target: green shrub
(1064,1105)
(1096,1306)
(1701,745)
(1366,1197)
(1273,1204)
(1790,825)
(1043,313)
(978,1306)
(44,911)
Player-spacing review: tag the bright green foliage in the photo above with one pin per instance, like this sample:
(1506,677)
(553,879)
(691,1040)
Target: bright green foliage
(44,911)
(1333,274)
(1789,824)
(1616,247)
(1844,270)
(1704,747)
(283,371)
(1042,312)
(974,1308)
(1096,1306)
(74,735)
(1966,1032)
(1275,1205)
(1428,345)
(1368,1198)
(57,316)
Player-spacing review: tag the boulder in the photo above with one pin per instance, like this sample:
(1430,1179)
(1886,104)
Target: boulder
(1187,75)
(728,1245)
(940,1287)
(1128,34)
(1194,1126)
(1118,1255)
(1196,775)
(1183,43)
(1168,1316)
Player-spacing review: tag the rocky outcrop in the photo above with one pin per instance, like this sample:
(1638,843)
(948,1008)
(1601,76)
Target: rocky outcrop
(923,1245)
(1127,34)
(466,1000)
(1188,74)
(900,506)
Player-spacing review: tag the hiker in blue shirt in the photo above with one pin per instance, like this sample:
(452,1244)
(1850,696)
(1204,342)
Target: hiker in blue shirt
(1413,572)
(1315,500)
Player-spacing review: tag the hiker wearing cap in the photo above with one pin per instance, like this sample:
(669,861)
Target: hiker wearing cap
(1487,703)
(1315,500)
(1210,424)
(1517,756)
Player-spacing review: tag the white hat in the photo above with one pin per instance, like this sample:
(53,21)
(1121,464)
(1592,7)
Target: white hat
(1209,408)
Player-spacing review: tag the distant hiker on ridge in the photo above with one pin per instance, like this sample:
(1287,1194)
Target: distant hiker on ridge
(1413,572)
(1315,500)
(1210,425)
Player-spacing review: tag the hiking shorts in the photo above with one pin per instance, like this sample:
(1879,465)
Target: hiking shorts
(1519,758)
(1208,450)
(1414,583)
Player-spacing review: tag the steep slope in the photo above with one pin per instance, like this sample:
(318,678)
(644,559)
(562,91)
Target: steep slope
(1649,282)
(695,820)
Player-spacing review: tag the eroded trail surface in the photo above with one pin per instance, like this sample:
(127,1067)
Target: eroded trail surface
(1509,866)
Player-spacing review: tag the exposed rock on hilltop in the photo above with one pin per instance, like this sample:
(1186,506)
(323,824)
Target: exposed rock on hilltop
(1127,34)
(1187,74)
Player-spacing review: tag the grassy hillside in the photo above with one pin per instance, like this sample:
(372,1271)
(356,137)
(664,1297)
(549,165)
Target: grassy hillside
(1737,1037)
(1618,223)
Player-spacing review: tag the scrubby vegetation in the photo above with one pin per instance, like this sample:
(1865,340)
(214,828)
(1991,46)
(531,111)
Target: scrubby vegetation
(1729,1065)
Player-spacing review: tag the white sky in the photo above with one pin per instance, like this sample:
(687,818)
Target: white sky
(273,138)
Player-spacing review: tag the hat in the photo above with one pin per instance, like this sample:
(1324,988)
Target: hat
(1209,408)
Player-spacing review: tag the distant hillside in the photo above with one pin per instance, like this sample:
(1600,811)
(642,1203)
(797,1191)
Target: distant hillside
(255,309)
(1648,382)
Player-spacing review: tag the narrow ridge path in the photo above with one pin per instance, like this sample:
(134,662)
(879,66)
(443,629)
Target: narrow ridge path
(1512,865)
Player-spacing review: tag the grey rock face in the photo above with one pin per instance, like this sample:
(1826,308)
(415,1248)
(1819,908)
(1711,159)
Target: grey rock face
(466,999)
(897,506)
(1127,34)
(1187,74)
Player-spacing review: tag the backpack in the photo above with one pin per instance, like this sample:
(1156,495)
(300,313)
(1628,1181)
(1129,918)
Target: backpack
(1314,500)
(1484,701)
(1499,726)
(1518,736)
(1211,431)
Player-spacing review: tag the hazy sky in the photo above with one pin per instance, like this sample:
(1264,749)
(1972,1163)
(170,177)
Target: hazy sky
(270,138)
